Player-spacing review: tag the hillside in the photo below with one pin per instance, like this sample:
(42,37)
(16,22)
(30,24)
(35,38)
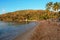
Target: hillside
(22,15)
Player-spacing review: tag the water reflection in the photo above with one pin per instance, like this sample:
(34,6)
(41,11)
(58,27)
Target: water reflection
(8,30)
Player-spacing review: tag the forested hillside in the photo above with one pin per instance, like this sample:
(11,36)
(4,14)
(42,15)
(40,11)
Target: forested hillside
(22,15)
(51,11)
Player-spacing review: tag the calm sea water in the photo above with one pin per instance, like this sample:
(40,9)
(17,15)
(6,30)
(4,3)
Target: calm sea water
(8,31)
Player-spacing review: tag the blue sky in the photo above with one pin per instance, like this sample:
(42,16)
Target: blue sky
(14,5)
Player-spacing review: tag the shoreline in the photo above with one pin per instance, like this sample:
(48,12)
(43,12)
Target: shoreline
(43,30)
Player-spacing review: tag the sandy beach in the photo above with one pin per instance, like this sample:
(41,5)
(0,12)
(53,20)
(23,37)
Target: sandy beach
(47,30)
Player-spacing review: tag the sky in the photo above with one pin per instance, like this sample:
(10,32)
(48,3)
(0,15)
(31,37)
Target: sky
(14,5)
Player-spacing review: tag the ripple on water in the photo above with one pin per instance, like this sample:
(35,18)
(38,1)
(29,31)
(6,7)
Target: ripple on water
(9,31)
